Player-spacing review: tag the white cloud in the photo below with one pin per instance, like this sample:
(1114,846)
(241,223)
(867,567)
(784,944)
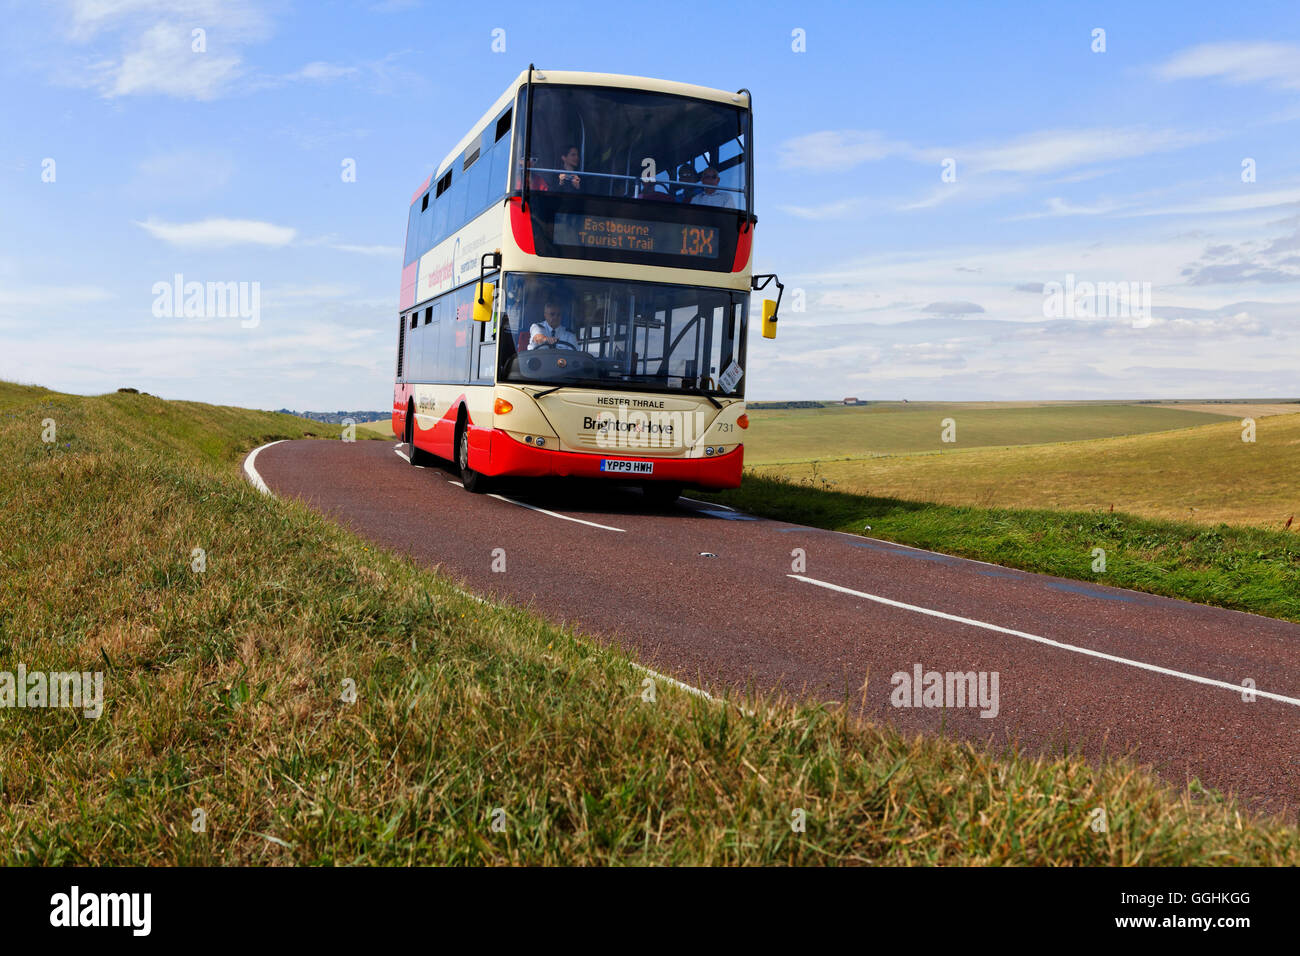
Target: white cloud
(366,250)
(836,209)
(37,295)
(1053,150)
(154,45)
(1043,151)
(835,150)
(1247,198)
(1237,63)
(331,241)
(1056,206)
(322,72)
(219,232)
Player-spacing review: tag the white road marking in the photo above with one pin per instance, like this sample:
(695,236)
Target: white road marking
(1142,665)
(250,472)
(397,450)
(554,514)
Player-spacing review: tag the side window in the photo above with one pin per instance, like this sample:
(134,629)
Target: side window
(517,150)
(455,337)
(415,370)
(413,234)
(480,175)
(431,344)
(426,222)
(487,337)
(428,315)
(500,170)
(455,200)
(439,230)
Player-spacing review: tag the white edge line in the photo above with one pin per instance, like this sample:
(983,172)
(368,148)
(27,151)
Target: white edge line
(1154,668)
(555,514)
(250,472)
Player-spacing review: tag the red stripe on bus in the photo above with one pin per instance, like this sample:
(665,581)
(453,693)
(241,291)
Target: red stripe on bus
(744,242)
(521,226)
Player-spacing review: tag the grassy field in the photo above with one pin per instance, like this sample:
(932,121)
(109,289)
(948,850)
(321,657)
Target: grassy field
(891,428)
(382,429)
(1204,474)
(224,693)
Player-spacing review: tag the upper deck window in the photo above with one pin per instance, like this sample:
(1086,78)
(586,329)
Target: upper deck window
(605,142)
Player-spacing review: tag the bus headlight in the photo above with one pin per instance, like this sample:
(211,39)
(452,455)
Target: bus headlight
(708,451)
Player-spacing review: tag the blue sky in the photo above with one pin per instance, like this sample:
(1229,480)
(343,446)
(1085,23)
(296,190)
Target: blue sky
(1117,166)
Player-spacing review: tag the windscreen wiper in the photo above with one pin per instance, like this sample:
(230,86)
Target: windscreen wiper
(700,391)
(547,391)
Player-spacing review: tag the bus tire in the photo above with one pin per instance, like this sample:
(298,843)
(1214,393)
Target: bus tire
(661,494)
(418,457)
(473,482)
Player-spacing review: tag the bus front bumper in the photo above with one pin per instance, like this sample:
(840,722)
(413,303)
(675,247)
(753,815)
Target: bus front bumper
(510,457)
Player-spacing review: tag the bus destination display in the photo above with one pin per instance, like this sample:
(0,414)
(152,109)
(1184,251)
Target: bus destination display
(636,235)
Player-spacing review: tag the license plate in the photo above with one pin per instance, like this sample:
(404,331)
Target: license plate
(619,466)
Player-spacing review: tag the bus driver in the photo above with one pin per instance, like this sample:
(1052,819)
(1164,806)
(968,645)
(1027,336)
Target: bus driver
(549,333)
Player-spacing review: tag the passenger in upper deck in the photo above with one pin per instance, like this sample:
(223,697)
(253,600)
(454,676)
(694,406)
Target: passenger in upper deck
(650,189)
(536,181)
(686,174)
(709,195)
(569,181)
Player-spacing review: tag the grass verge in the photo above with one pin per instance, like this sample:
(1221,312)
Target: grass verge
(223,694)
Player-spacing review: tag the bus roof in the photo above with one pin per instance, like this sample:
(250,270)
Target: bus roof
(570,78)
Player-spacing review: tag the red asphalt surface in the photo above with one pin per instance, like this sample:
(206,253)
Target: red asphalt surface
(738,620)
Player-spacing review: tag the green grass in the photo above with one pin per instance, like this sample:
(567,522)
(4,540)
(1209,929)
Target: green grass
(799,435)
(1204,474)
(1243,568)
(223,693)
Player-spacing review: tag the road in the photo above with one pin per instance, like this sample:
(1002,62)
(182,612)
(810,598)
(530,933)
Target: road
(720,600)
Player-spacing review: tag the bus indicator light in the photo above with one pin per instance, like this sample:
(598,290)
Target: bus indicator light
(743,421)
(502,407)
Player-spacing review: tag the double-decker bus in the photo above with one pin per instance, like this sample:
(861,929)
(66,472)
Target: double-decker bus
(575,293)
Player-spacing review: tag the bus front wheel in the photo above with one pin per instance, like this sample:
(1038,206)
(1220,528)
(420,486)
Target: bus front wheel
(471,479)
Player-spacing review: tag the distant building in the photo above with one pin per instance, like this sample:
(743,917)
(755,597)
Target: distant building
(851,401)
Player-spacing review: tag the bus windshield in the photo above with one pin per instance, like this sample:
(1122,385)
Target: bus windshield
(613,334)
(610,142)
